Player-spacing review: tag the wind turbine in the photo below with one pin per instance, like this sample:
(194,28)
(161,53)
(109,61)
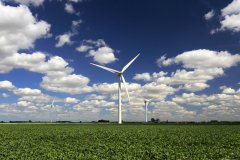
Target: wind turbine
(119,75)
(53,107)
(146,101)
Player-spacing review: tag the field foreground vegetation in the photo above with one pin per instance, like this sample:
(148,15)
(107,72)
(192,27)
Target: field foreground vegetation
(113,141)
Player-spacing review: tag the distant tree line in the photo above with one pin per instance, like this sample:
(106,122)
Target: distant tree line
(102,120)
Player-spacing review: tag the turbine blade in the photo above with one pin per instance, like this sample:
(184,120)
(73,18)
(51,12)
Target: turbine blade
(55,109)
(125,86)
(53,100)
(124,68)
(108,69)
(142,97)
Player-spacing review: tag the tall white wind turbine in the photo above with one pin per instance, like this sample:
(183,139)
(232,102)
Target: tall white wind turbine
(53,107)
(119,75)
(146,101)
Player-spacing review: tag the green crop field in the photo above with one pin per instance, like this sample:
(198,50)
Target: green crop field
(113,141)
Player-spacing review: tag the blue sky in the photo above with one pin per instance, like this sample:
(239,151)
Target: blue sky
(189,59)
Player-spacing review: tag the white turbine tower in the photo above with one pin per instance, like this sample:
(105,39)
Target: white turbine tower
(119,75)
(146,101)
(53,107)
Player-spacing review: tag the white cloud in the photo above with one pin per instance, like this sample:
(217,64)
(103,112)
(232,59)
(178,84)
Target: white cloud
(190,77)
(209,15)
(231,15)
(65,38)
(207,65)
(154,88)
(24,104)
(98,43)
(203,58)
(83,48)
(27,92)
(69,9)
(71,100)
(196,86)
(43,98)
(36,63)
(35,3)
(232,8)
(103,55)
(192,99)
(160,74)
(73,84)
(6,85)
(143,76)
(147,77)
(227,90)
(5,95)
(98,103)
(19,29)
(106,88)
(168,107)
(230,23)
(94,96)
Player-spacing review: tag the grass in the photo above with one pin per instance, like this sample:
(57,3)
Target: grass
(126,141)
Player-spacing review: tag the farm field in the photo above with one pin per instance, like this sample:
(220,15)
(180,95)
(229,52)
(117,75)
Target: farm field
(113,141)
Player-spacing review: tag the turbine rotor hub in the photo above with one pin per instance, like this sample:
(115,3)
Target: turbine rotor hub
(119,74)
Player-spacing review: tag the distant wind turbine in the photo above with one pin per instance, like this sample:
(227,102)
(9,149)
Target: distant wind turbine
(53,107)
(146,101)
(119,75)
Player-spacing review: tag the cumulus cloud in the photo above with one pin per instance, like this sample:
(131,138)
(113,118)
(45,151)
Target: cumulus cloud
(227,90)
(206,65)
(24,103)
(148,77)
(154,88)
(231,15)
(65,38)
(190,77)
(73,84)
(27,92)
(103,55)
(43,98)
(209,15)
(69,9)
(98,43)
(97,103)
(203,58)
(6,85)
(192,99)
(232,8)
(19,29)
(170,108)
(88,44)
(106,88)
(5,95)
(83,48)
(94,96)
(143,76)
(196,86)
(71,100)
(36,63)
